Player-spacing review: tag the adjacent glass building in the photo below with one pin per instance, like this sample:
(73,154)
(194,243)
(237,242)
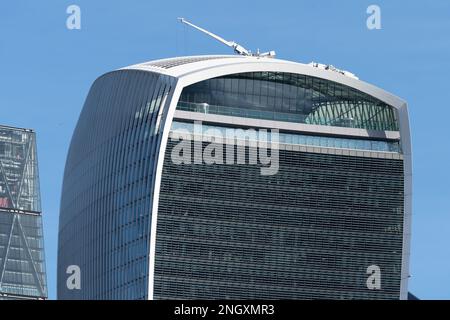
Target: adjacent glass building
(142,225)
(22,264)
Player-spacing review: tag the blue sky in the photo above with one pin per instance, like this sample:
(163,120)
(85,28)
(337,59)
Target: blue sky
(46,71)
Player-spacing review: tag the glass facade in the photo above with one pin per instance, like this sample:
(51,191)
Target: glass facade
(19,179)
(107,192)
(22,263)
(226,231)
(302,139)
(289,97)
(308,232)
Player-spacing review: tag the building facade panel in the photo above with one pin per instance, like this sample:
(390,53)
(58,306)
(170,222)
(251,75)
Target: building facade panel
(107,194)
(308,232)
(22,258)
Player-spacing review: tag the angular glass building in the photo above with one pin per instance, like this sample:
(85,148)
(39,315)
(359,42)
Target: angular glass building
(22,264)
(333,221)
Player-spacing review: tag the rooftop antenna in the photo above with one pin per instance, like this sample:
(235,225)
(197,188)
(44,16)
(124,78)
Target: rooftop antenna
(236,46)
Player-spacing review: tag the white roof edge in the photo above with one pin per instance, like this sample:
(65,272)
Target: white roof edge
(207,61)
(250,63)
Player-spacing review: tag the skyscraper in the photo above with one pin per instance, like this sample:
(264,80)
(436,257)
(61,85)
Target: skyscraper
(22,263)
(149,211)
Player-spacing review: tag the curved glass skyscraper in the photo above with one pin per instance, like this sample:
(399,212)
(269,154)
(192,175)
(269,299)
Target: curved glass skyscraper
(236,177)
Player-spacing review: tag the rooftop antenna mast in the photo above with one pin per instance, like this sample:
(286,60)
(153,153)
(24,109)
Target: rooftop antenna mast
(236,46)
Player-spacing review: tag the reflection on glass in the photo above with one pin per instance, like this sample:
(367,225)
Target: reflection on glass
(288,97)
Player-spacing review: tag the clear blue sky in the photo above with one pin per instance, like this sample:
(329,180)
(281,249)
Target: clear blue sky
(46,71)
